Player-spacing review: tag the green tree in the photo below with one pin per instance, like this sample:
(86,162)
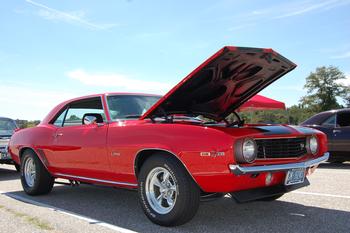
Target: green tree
(323,88)
(26,124)
(347,97)
(298,114)
(73,118)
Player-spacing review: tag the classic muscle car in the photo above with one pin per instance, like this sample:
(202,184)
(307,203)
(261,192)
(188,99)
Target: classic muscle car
(178,148)
(336,125)
(7,128)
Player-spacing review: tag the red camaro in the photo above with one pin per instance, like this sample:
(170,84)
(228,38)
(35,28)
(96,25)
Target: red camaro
(179,148)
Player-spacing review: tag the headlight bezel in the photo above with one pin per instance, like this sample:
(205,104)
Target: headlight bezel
(239,151)
(309,145)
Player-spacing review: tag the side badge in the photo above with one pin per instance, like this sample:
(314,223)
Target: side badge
(212,154)
(114,153)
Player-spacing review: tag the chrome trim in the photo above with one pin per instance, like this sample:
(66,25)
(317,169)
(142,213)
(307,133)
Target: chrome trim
(66,109)
(288,137)
(97,180)
(107,110)
(161,194)
(29,172)
(308,148)
(239,170)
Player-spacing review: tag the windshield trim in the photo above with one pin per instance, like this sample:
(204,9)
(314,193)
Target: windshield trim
(108,111)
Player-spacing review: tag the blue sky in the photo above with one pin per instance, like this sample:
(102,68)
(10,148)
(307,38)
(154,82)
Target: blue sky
(54,50)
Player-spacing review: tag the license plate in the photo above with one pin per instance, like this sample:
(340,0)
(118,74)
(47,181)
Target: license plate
(295,176)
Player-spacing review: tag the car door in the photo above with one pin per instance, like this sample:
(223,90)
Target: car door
(341,132)
(79,149)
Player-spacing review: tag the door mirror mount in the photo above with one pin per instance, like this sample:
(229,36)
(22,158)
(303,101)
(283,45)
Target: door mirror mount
(92,119)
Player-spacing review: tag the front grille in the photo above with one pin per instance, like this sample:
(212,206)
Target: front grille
(281,148)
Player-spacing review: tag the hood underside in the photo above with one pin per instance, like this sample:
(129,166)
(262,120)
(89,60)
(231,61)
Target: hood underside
(223,83)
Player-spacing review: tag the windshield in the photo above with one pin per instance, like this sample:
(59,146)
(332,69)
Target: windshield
(129,106)
(7,127)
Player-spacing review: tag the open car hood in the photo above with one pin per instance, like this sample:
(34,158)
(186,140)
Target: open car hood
(223,83)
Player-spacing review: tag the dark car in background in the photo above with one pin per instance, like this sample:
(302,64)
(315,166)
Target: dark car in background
(7,128)
(336,124)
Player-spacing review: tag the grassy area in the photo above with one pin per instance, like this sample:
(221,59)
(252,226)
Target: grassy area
(42,225)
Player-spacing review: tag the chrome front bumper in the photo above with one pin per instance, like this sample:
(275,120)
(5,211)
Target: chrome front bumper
(239,170)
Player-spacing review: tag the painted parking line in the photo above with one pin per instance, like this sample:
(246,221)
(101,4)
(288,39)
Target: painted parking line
(66,212)
(322,194)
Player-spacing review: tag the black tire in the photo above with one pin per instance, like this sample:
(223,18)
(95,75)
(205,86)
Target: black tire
(188,193)
(43,181)
(18,167)
(272,198)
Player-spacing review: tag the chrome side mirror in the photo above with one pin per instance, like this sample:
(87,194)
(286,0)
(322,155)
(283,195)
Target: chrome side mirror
(89,120)
(92,118)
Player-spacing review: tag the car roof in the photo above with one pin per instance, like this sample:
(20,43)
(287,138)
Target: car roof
(6,118)
(108,94)
(322,116)
(56,109)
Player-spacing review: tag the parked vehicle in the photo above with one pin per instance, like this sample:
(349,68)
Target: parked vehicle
(336,125)
(177,148)
(7,128)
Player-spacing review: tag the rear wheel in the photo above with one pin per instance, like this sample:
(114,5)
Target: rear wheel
(168,195)
(35,178)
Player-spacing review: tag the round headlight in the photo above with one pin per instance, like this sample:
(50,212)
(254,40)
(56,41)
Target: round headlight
(313,145)
(249,150)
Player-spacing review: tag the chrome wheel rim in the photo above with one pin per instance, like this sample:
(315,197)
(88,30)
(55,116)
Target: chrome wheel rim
(30,172)
(161,190)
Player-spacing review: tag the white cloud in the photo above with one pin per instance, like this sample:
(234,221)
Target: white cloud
(76,17)
(346,81)
(342,56)
(278,11)
(117,80)
(28,102)
(307,6)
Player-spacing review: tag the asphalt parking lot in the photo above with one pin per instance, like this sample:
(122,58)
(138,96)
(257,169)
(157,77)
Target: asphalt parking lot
(324,206)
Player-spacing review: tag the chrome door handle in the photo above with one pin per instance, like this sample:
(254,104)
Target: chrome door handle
(336,130)
(58,135)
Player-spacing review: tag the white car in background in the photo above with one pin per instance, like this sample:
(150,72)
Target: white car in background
(7,128)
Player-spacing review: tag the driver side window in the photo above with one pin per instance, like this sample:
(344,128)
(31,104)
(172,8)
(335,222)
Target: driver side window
(74,113)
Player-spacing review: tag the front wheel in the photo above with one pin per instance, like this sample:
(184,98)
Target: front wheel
(168,195)
(35,178)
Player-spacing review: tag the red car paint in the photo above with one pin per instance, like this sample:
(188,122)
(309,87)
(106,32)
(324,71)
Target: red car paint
(108,154)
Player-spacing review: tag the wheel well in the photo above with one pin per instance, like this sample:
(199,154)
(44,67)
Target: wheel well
(22,150)
(39,154)
(142,156)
